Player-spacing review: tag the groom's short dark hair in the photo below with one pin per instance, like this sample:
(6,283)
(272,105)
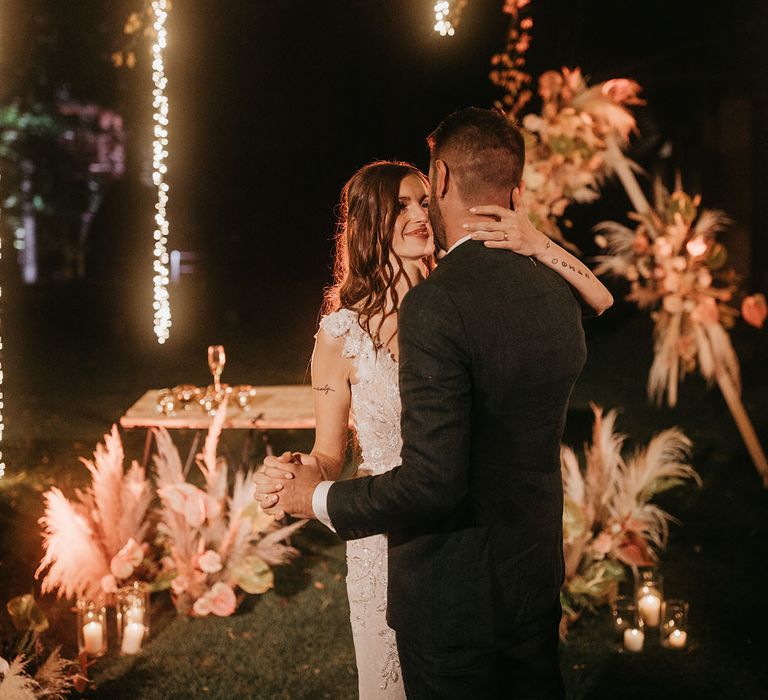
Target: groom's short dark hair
(483,150)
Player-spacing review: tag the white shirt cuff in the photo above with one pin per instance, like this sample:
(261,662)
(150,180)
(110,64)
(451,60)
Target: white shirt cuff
(320,503)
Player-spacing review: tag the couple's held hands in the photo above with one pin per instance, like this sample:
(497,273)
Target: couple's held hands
(285,484)
(513,230)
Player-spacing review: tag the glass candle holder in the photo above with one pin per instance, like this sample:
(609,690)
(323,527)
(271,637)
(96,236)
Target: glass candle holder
(186,395)
(649,596)
(166,402)
(674,625)
(244,394)
(91,627)
(132,609)
(629,631)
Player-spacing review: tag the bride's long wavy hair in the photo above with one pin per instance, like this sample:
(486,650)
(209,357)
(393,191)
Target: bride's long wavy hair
(364,275)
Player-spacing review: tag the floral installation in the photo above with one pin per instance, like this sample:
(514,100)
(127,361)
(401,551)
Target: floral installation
(609,521)
(26,672)
(570,144)
(508,67)
(574,143)
(96,541)
(677,269)
(216,541)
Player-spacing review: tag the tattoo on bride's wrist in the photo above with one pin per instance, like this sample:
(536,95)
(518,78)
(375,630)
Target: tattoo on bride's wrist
(325,389)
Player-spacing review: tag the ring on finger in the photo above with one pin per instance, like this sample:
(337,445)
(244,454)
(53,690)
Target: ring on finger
(506,236)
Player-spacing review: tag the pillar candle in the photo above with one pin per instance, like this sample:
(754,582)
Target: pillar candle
(633,639)
(133,635)
(677,639)
(649,607)
(93,637)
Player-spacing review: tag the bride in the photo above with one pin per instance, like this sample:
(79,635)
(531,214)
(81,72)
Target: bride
(384,246)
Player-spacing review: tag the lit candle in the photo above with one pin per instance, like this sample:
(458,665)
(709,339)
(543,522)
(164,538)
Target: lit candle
(134,614)
(633,639)
(133,635)
(93,637)
(677,639)
(649,607)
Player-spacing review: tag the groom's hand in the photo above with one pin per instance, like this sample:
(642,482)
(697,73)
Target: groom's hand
(269,481)
(286,484)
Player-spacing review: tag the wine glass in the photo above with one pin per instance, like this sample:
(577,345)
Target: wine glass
(216,361)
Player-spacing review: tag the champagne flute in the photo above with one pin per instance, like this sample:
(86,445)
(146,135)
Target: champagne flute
(216,361)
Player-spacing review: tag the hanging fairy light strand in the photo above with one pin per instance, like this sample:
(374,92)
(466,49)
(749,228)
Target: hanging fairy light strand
(2,405)
(442,23)
(161,305)
(447,16)
(2,425)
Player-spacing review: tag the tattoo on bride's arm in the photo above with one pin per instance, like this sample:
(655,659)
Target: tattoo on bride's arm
(580,270)
(325,389)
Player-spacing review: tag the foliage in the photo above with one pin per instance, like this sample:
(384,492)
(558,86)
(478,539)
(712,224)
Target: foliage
(609,521)
(566,144)
(28,675)
(216,540)
(56,160)
(97,541)
(677,269)
(508,67)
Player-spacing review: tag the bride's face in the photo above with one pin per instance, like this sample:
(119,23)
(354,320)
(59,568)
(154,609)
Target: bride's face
(412,237)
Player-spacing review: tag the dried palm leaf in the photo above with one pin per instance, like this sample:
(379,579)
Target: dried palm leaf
(74,560)
(271,549)
(214,470)
(168,467)
(663,376)
(16,684)
(573,481)
(136,497)
(662,465)
(603,458)
(619,238)
(106,489)
(711,222)
(54,676)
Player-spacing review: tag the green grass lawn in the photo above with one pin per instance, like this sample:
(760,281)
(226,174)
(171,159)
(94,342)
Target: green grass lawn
(295,641)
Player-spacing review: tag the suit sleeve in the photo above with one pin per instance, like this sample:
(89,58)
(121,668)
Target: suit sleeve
(435,391)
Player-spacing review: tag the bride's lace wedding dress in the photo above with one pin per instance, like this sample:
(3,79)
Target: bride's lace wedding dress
(376,417)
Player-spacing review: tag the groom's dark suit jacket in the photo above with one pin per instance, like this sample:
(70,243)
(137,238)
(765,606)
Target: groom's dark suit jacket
(490,347)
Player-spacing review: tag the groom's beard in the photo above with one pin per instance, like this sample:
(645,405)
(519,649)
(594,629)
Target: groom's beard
(437,221)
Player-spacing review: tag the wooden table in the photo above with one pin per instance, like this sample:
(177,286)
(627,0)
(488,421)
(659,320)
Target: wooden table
(287,407)
(272,408)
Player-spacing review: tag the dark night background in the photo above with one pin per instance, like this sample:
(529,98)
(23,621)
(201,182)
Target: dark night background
(273,105)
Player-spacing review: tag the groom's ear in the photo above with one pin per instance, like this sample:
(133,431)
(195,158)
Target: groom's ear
(441,172)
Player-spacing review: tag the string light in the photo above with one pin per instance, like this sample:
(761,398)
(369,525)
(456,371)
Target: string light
(442,23)
(161,303)
(2,425)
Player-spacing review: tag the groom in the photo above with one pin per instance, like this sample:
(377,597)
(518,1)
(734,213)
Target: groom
(490,347)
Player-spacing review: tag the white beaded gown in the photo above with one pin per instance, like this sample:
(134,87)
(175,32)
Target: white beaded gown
(376,416)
